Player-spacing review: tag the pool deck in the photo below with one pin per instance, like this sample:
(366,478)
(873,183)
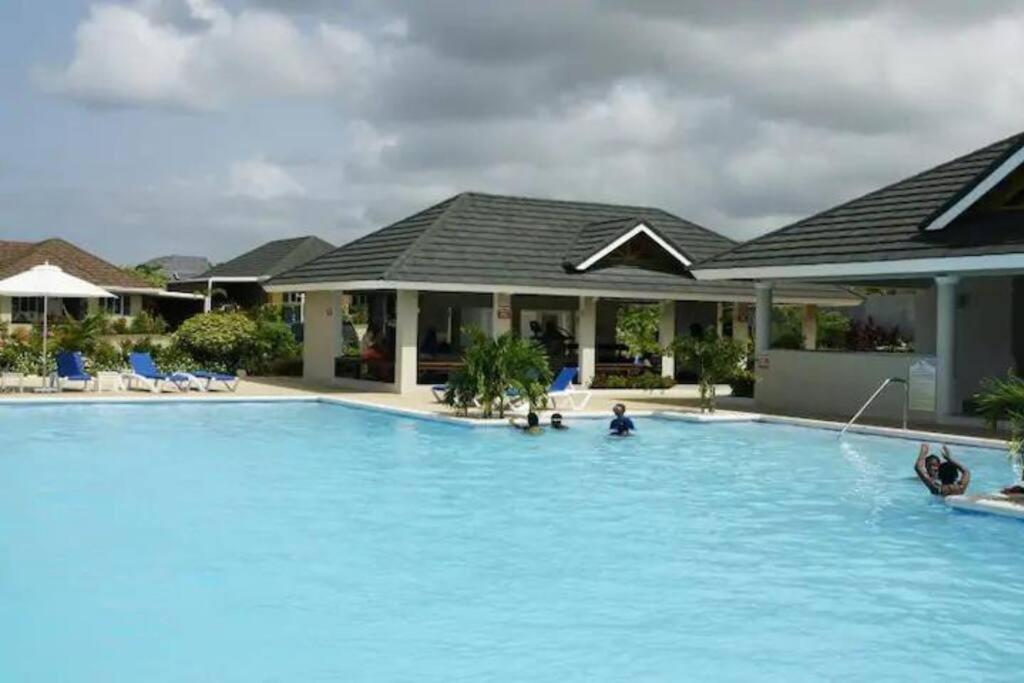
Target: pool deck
(679,403)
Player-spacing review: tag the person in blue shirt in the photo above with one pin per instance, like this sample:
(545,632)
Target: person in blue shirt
(620,424)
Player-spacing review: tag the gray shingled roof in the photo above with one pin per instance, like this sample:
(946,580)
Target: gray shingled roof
(177,267)
(495,240)
(889,223)
(595,236)
(271,258)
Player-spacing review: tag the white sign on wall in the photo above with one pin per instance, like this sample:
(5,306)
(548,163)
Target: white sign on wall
(922,385)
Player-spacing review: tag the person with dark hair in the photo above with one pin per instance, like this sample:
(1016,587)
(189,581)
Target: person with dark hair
(620,424)
(942,477)
(556,422)
(532,425)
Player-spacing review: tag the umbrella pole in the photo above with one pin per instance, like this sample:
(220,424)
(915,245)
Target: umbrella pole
(45,316)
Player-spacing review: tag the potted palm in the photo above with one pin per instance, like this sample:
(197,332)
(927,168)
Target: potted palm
(496,371)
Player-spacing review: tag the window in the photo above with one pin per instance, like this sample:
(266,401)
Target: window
(121,305)
(26,309)
(291,307)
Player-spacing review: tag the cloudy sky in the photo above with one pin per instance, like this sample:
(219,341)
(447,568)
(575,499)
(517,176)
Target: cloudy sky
(143,127)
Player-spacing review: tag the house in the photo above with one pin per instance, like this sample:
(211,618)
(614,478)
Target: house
(240,281)
(176,267)
(385,311)
(134,293)
(953,234)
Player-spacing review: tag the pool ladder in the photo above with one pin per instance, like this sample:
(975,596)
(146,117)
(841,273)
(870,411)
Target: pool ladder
(878,391)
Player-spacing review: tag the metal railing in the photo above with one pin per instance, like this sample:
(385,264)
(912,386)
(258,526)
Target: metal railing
(878,391)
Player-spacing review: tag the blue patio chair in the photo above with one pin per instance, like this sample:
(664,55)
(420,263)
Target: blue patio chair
(227,380)
(145,373)
(562,387)
(71,368)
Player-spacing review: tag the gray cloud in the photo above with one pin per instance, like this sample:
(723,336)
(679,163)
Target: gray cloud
(740,115)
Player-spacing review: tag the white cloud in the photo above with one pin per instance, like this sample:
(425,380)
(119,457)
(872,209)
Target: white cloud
(194,54)
(263,180)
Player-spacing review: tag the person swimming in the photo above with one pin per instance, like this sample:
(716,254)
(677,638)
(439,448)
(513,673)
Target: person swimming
(556,422)
(942,477)
(620,424)
(532,425)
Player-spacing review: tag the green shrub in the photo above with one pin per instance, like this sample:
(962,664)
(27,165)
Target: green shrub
(647,380)
(147,323)
(217,339)
(636,326)
(272,346)
(742,384)
(118,326)
(106,356)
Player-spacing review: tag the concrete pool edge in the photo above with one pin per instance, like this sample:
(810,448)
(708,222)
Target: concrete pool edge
(721,417)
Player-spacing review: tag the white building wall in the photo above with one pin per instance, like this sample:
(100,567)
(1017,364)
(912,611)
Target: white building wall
(984,332)
(830,383)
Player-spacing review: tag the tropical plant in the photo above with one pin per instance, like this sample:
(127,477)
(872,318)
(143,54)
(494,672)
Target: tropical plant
(636,326)
(272,344)
(1003,399)
(147,323)
(492,367)
(715,359)
(80,335)
(154,275)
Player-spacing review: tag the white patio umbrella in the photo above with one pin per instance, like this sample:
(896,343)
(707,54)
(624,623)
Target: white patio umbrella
(46,281)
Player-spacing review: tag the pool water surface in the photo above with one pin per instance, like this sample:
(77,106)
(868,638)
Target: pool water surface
(315,542)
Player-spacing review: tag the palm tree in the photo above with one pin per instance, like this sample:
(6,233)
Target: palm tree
(1003,399)
(491,367)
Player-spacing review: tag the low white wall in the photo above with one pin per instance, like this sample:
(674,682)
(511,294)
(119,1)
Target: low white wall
(833,384)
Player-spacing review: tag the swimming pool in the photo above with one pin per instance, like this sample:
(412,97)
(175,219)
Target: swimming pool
(313,542)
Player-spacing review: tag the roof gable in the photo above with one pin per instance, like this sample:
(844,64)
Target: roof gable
(16,257)
(596,241)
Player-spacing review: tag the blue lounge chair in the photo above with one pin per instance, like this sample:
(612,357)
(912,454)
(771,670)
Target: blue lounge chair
(562,387)
(71,368)
(145,373)
(230,382)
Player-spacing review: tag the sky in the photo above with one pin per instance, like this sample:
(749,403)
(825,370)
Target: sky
(140,128)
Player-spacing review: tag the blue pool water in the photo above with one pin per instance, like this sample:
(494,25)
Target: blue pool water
(311,542)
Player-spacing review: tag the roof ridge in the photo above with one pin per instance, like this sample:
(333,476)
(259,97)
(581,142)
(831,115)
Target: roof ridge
(453,202)
(866,195)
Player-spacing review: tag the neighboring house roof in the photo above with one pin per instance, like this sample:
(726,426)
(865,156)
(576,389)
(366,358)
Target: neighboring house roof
(485,240)
(898,222)
(270,259)
(16,257)
(177,267)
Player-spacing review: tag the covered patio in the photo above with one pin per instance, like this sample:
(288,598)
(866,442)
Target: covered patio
(386,312)
(953,236)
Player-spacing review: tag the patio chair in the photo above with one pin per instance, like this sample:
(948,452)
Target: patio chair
(562,387)
(228,381)
(145,373)
(71,368)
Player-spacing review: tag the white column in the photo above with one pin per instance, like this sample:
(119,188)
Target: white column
(666,335)
(5,309)
(763,317)
(501,313)
(586,336)
(322,336)
(740,324)
(208,301)
(810,327)
(719,323)
(407,313)
(945,344)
